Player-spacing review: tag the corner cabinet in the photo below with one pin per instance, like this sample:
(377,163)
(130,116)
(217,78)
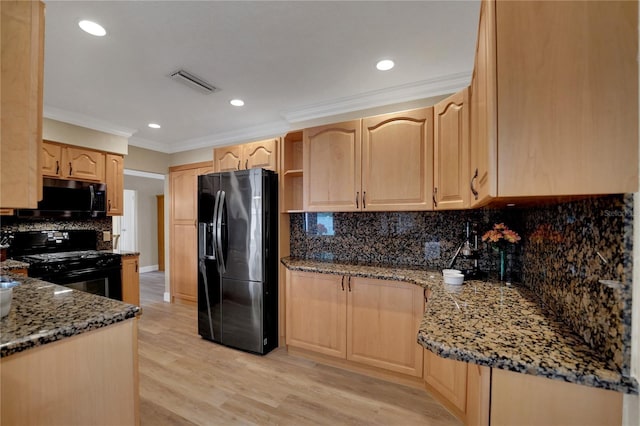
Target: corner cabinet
(451,153)
(183,236)
(546,111)
(22,35)
(261,154)
(380,163)
(115,184)
(131,280)
(365,321)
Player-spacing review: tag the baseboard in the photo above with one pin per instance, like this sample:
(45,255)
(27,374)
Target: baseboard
(167,296)
(151,268)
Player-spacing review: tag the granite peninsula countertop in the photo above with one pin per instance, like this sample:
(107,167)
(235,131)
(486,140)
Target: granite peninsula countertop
(494,325)
(12,265)
(124,253)
(42,313)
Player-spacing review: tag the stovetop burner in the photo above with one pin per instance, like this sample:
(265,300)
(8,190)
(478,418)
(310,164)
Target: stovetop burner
(68,255)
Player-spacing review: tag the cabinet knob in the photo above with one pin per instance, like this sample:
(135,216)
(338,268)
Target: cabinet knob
(473,190)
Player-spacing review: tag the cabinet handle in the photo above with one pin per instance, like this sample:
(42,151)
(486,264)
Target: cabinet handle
(357,202)
(246,164)
(238,168)
(473,190)
(349,283)
(426,298)
(435,202)
(70,168)
(57,167)
(109,203)
(364,202)
(136,266)
(342,283)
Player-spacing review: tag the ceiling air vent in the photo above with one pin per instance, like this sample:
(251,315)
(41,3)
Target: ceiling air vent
(194,82)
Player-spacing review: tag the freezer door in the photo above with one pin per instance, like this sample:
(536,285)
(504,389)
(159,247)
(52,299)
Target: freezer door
(209,301)
(242,225)
(242,315)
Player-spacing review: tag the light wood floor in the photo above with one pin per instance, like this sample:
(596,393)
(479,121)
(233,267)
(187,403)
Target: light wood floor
(185,380)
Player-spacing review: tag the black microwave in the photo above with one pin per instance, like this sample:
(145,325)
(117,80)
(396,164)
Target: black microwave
(69,198)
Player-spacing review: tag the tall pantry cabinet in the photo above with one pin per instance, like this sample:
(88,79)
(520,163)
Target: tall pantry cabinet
(183,235)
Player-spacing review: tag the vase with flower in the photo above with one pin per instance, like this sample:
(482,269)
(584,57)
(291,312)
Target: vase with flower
(500,237)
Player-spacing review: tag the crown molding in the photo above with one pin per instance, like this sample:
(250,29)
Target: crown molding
(404,93)
(247,134)
(139,173)
(149,144)
(86,121)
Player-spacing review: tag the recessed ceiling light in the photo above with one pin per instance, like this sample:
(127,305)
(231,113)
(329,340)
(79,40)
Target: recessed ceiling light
(236,102)
(385,65)
(154,125)
(92,28)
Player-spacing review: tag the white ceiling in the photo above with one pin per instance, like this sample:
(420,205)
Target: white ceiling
(289,61)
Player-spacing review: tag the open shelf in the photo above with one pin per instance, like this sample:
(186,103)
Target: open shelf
(292,172)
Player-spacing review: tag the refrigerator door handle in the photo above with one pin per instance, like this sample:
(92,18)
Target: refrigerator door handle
(218,234)
(206,237)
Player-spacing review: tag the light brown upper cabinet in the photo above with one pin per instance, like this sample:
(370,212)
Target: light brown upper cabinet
(331,158)
(554,107)
(115,184)
(451,152)
(22,35)
(67,162)
(380,163)
(261,154)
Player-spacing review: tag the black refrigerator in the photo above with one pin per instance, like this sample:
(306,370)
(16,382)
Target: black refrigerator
(237,259)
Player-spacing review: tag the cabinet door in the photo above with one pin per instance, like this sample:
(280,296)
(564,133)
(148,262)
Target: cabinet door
(451,152)
(131,280)
(448,378)
(183,271)
(478,395)
(397,161)
(115,185)
(331,159)
(316,312)
(261,154)
(51,159)
(482,100)
(518,399)
(382,324)
(228,158)
(567,76)
(22,58)
(83,164)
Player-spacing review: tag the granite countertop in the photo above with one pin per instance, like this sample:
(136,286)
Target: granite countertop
(10,265)
(42,313)
(124,253)
(494,325)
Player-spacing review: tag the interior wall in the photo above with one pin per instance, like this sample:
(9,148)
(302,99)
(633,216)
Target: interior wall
(58,131)
(146,160)
(147,221)
(193,156)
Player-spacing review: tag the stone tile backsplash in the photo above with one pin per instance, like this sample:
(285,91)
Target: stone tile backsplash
(577,257)
(559,256)
(11,223)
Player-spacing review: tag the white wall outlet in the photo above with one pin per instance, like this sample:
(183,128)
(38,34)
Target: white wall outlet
(106,236)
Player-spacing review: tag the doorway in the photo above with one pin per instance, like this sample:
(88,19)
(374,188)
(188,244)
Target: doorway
(124,227)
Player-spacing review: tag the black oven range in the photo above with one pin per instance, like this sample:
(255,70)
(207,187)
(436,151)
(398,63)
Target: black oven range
(69,258)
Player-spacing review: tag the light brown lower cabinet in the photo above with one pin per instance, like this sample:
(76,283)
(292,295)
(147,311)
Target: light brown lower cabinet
(131,280)
(481,396)
(366,321)
(88,379)
(461,387)
(522,399)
